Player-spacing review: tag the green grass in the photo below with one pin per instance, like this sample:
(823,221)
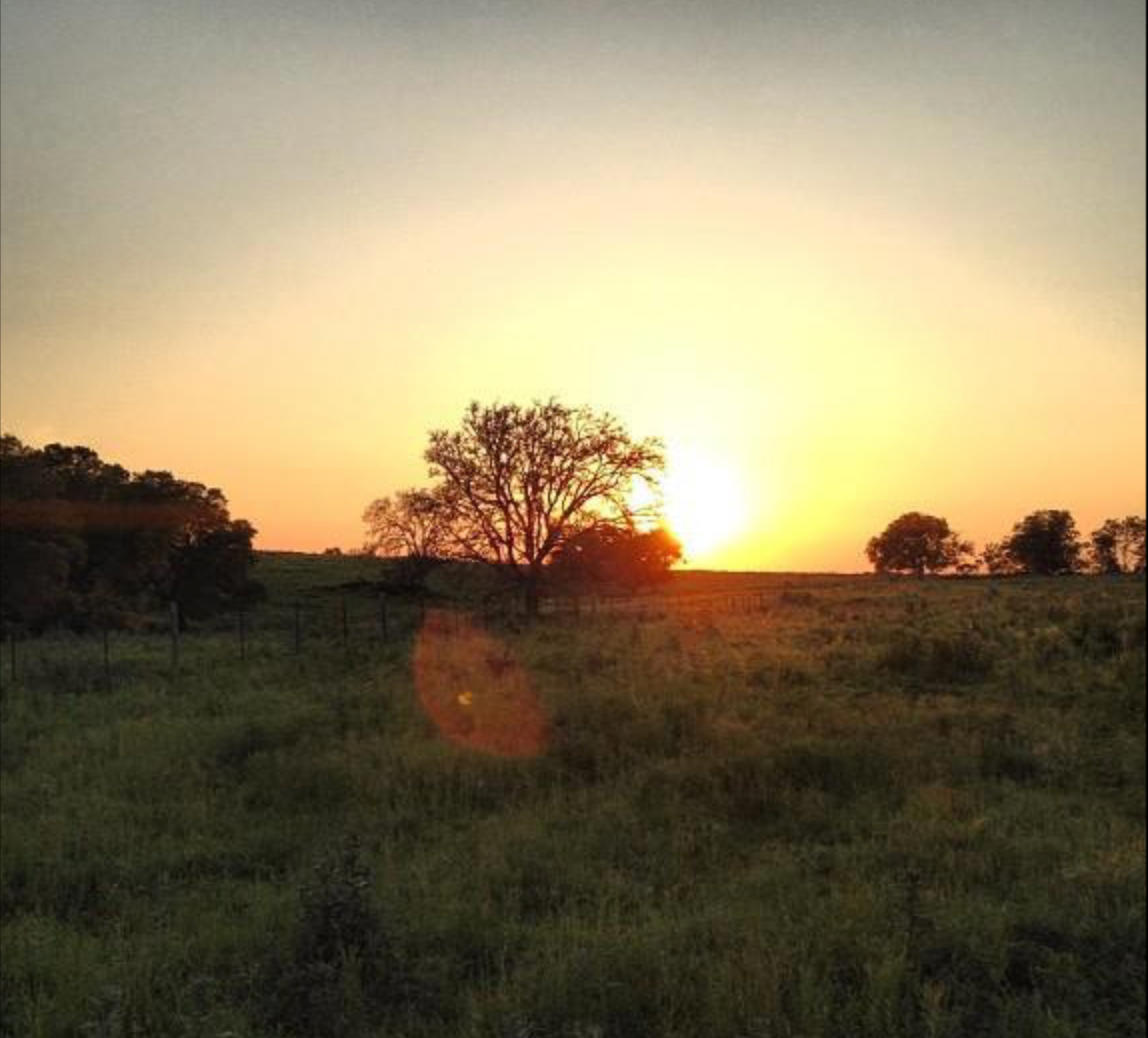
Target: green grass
(766,807)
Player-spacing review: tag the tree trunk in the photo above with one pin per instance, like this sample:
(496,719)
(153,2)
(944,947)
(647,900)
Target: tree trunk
(531,595)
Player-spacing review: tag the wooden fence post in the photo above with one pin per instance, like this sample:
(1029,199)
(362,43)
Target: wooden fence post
(242,635)
(174,637)
(298,628)
(346,627)
(383,614)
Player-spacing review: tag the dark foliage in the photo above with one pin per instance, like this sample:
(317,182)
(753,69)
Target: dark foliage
(1118,546)
(918,544)
(336,981)
(85,541)
(629,560)
(1045,543)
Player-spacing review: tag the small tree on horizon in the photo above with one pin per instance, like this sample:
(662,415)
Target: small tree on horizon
(1045,543)
(408,528)
(918,544)
(1118,546)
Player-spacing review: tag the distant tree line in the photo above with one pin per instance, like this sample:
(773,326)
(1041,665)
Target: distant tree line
(85,541)
(1044,543)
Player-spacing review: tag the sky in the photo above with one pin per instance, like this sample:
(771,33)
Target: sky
(848,258)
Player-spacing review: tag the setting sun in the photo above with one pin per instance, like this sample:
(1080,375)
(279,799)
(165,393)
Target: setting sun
(704,502)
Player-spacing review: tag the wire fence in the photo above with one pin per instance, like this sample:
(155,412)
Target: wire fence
(174,646)
(350,629)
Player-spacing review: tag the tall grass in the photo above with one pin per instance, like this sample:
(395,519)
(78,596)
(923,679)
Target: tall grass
(861,808)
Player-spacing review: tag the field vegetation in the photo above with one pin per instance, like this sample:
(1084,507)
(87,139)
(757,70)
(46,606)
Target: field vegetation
(741,807)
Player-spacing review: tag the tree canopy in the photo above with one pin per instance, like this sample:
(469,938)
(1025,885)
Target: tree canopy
(1045,543)
(1118,546)
(917,543)
(512,485)
(408,529)
(83,538)
(607,557)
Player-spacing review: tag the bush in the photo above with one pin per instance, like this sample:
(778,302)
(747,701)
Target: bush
(339,977)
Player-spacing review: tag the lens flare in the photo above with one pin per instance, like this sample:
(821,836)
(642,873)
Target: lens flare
(476,694)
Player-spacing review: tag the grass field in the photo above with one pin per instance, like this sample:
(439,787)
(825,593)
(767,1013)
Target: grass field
(758,807)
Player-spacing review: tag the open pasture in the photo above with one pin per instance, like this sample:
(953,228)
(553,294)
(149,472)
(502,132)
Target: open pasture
(750,807)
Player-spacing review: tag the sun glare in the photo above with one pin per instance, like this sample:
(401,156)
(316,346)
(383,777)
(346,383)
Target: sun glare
(704,503)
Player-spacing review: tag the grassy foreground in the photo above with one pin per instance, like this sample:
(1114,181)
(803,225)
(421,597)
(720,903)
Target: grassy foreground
(856,809)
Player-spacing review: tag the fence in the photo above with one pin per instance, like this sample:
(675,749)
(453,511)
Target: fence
(350,629)
(173,646)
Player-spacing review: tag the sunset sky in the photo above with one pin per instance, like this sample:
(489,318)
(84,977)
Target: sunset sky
(853,257)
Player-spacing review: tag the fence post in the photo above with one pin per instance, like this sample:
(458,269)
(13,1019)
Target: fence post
(346,629)
(12,653)
(298,628)
(383,614)
(174,637)
(107,659)
(242,635)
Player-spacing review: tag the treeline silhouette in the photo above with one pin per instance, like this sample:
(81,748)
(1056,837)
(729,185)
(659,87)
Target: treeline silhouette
(1044,543)
(87,543)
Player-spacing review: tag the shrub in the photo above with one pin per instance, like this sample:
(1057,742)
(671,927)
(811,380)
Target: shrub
(339,977)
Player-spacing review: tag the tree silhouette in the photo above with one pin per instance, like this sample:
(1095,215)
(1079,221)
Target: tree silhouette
(514,484)
(997,561)
(409,529)
(629,559)
(1045,543)
(918,544)
(1118,546)
(84,538)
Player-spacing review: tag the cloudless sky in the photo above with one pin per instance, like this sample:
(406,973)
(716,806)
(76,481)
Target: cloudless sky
(863,255)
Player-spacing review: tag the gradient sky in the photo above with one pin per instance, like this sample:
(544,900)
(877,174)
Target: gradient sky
(871,256)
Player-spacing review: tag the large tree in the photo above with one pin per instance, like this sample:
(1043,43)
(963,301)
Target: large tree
(1045,543)
(514,484)
(1118,546)
(917,543)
